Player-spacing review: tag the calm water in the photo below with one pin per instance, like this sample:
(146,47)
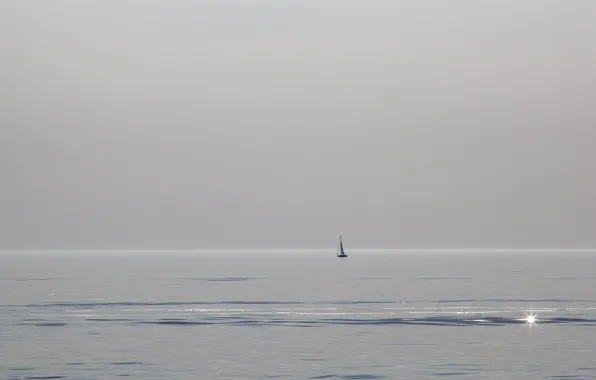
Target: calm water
(303,316)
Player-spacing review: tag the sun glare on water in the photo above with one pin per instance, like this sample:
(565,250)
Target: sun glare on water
(530,319)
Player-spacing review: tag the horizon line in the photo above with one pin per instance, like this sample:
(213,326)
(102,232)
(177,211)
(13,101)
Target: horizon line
(288,250)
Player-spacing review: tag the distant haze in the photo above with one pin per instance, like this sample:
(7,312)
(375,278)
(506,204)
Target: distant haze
(265,124)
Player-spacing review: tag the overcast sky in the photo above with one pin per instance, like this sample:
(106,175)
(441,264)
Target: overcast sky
(267,124)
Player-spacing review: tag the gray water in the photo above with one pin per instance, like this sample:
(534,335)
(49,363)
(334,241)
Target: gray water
(297,316)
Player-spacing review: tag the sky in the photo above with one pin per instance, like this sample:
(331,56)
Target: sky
(146,124)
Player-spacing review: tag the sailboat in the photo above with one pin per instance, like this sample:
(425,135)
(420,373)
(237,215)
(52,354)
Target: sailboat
(340,249)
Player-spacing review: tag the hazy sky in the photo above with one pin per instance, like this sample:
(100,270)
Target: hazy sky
(264,124)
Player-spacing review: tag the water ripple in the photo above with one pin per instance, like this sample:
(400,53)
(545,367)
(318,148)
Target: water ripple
(429,321)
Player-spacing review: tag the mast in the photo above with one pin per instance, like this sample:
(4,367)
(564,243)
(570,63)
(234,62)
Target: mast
(340,249)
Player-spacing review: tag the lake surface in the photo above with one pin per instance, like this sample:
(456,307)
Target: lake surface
(306,315)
